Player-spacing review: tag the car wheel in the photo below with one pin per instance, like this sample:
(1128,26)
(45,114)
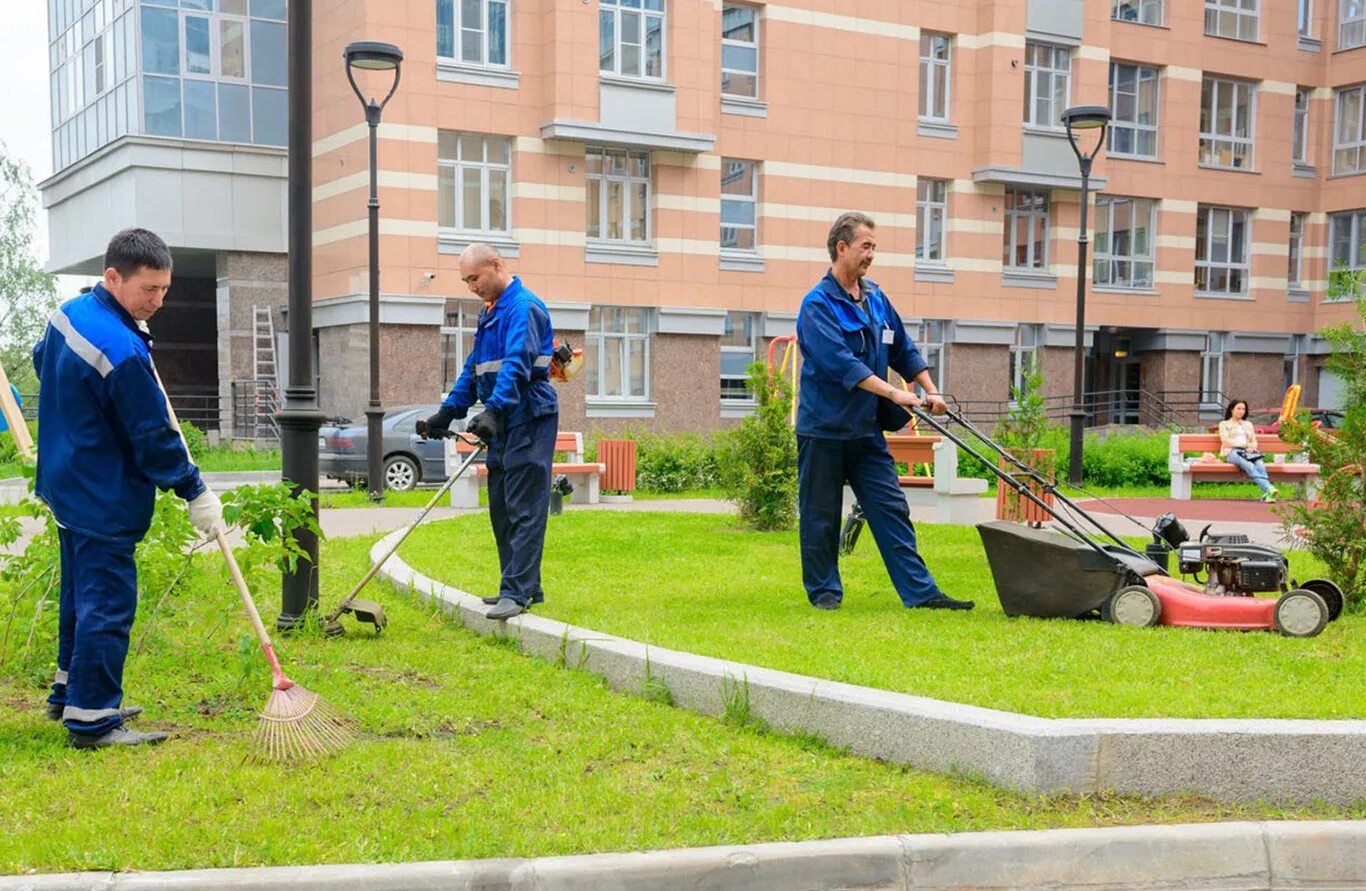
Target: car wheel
(1330,593)
(400,473)
(1300,613)
(1134,605)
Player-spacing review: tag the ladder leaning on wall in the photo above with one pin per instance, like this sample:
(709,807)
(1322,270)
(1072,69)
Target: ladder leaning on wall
(267,390)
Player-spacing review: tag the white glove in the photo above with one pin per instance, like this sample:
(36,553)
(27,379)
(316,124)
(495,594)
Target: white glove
(206,513)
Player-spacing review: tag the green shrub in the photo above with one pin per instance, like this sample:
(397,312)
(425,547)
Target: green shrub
(1119,459)
(673,463)
(195,440)
(759,458)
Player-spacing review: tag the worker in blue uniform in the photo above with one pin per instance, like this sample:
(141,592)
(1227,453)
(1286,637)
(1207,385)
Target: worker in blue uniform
(849,334)
(106,443)
(508,372)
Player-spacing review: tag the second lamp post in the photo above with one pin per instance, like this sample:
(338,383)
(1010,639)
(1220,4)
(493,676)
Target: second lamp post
(372,55)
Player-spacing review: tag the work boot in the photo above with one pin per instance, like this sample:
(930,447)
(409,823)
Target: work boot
(119,736)
(943,601)
(506,609)
(493,601)
(827,603)
(127,713)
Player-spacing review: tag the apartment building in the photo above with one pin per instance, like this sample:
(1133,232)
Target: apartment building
(664,172)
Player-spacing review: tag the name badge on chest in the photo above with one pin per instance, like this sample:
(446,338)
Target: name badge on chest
(887,335)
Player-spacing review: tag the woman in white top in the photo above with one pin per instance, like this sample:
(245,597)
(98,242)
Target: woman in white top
(1236,438)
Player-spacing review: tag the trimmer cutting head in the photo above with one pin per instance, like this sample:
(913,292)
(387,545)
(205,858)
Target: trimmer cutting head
(364,611)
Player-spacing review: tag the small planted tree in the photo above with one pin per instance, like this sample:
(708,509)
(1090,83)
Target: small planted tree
(1334,525)
(1021,432)
(759,458)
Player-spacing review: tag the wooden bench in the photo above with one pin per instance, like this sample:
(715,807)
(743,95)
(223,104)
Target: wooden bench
(1186,468)
(953,497)
(465,491)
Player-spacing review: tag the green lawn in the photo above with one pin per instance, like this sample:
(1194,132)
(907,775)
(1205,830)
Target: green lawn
(468,749)
(226,458)
(698,583)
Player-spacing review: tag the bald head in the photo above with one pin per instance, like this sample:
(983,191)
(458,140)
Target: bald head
(483,271)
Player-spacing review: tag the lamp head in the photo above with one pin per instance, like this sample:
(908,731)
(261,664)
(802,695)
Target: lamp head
(1086,117)
(372,55)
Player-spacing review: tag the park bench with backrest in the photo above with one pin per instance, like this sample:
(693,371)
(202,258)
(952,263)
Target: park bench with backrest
(1187,463)
(952,496)
(465,491)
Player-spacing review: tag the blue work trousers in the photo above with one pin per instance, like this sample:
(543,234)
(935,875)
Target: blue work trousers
(823,466)
(519,463)
(1256,470)
(98,600)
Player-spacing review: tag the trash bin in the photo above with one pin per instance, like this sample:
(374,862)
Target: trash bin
(619,456)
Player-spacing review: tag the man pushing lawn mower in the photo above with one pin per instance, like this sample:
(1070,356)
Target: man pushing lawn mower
(106,443)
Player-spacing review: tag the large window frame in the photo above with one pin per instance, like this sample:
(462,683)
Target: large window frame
(1349,131)
(1024,356)
(1222,247)
(931,221)
(1231,19)
(1047,84)
(1026,214)
(1299,140)
(1212,372)
(936,76)
(624,34)
(739,343)
(1142,12)
(1135,102)
(1125,236)
(453,33)
(1228,123)
(930,339)
(1294,274)
(632,187)
(622,332)
(739,209)
(459,322)
(1351,24)
(739,57)
(489,173)
(1347,240)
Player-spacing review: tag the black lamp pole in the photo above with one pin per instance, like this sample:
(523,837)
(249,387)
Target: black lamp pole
(299,417)
(1082,117)
(372,55)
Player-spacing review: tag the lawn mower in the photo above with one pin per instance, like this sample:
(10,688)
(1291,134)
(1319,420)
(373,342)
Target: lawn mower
(1083,570)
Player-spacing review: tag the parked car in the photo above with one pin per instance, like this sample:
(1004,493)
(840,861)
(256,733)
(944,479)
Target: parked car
(408,458)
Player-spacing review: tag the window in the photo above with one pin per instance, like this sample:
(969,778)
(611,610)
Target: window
(935,70)
(1212,371)
(1026,229)
(931,218)
(1294,275)
(740,51)
(1349,133)
(1023,355)
(930,341)
(1231,18)
(616,353)
(739,204)
(1345,240)
(1226,112)
(1124,241)
(631,38)
(738,345)
(618,195)
(472,31)
(1351,23)
(1133,106)
(1145,12)
(1047,70)
(1306,18)
(457,338)
(1299,142)
(1221,251)
(473,173)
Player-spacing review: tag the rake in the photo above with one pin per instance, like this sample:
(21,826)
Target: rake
(296,724)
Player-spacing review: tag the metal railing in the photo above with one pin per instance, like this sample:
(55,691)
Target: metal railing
(254,406)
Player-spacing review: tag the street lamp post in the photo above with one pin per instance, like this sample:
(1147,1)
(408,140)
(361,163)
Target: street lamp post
(372,55)
(1082,117)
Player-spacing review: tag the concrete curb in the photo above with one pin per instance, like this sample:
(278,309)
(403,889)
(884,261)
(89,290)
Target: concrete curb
(1231,760)
(1243,856)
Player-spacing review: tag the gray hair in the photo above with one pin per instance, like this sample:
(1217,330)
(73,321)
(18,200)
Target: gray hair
(844,229)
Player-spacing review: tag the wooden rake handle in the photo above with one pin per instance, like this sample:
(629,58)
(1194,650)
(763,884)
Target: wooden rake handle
(281,682)
(15,418)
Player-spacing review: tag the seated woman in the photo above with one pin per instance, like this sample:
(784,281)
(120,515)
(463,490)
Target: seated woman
(1236,440)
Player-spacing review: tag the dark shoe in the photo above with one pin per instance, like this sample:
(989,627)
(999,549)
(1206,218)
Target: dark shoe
(119,736)
(827,603)
(127,713)
(506,609)
(493,601)
(943,601)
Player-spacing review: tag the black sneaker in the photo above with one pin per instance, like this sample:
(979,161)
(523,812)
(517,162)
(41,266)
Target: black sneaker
(943,601)
(506,609)
(493,601)
(127,713)
(119,736)
(827,603)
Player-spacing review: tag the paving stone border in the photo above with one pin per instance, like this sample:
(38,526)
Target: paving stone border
(1197,857)
(1231,760)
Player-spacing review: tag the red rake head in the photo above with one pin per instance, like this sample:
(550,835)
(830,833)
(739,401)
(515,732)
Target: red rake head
(297,725)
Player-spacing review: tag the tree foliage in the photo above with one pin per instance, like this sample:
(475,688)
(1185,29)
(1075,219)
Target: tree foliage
(27,293)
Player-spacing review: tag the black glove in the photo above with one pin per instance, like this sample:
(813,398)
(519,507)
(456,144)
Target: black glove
(486,425)
(438,426)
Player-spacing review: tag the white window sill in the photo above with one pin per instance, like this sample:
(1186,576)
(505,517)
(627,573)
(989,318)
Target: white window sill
(1143,159)
(935,272)
(1111,289)
(744,105)
(613,408)
(1210,295)
(936,129)
(1296,294)
(1250,41)
(1305,171)
(1310,44)
(623,252)
(450,71)
(1348,49)
(1025,278)
(1336,175)
(453,241)
(737,408)
(733,260)
(638,83)
(1226,169)
(1054,132)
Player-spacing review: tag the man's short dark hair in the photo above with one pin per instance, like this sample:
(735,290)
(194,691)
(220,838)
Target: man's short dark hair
(134,249)
(844,230)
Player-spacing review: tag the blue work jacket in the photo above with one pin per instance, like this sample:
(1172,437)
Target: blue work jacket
(105,438)
(509,368)
(840,347)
